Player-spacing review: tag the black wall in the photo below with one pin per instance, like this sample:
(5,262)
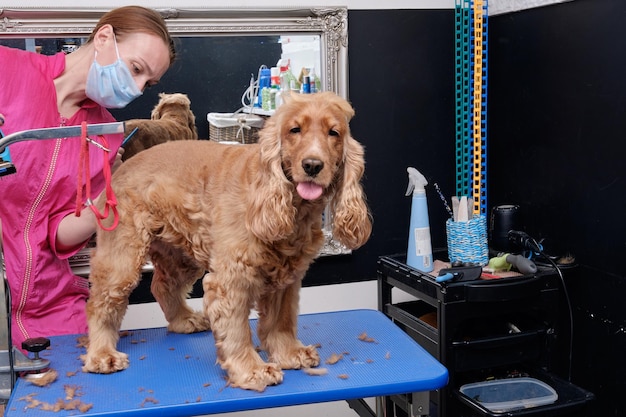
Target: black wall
(557,120)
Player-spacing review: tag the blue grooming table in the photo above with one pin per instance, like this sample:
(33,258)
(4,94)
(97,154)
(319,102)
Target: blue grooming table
(176,375)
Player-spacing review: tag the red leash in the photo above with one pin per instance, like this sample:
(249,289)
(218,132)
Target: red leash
(83,170)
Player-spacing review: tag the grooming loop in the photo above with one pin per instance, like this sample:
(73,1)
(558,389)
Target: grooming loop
(83,170)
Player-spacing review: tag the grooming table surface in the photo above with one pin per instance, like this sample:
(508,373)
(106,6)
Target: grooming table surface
(176,375)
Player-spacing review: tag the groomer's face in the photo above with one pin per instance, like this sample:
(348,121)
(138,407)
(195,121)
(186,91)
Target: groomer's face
(146,55)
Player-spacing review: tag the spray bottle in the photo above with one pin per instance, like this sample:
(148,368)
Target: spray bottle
(419,253)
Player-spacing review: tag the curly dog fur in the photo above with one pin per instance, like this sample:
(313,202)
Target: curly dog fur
(251,216)
(171,119)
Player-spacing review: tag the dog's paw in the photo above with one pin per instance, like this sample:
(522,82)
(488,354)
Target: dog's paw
(258,378)
(105,363)
(192,323)
(301,357)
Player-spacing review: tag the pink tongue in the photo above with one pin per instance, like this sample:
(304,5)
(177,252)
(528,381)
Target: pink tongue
(309,190)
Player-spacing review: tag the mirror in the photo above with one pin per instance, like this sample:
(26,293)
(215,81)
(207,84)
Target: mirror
(218,52)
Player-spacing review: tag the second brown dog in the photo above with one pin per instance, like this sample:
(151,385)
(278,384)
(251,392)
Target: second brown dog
(171,119)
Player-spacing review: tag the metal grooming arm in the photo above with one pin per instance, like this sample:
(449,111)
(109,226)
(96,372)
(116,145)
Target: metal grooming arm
(6,165)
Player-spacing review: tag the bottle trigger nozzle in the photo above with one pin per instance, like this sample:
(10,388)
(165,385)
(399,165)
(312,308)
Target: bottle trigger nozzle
(417,181)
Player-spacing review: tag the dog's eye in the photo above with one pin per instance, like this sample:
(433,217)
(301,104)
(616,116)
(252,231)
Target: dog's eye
(333,133)
(294,130)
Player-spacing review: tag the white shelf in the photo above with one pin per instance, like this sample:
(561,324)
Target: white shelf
(259,111)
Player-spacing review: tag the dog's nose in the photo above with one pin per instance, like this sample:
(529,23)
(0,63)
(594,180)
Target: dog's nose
(312,167)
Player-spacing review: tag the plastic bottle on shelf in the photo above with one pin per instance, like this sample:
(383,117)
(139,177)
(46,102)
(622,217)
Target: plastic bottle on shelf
(278,100)
(272,105)
(314,81)
(266,98)
(283,66)
(306,84)
(287,79)
(419,252)
(275,77)
(264,82)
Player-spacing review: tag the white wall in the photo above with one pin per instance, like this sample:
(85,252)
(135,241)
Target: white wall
(313,300)
(506,6)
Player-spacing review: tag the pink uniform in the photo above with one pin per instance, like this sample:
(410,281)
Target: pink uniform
(46,297)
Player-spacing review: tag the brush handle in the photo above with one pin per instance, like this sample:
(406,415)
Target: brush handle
(127,138)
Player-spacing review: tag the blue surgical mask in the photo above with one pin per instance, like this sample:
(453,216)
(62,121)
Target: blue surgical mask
(111,86)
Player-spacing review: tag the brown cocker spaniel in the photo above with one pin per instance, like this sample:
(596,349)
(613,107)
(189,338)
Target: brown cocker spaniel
(251,216)
(171,119)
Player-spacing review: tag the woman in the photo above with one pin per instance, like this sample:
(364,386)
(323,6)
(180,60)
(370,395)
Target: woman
(129,49)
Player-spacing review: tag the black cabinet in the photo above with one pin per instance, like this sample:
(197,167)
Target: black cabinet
(481,330)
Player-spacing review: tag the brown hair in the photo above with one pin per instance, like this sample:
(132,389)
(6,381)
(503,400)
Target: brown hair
(129,19)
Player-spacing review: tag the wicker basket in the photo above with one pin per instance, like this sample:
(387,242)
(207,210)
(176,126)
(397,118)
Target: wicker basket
(467,241)
(234,127)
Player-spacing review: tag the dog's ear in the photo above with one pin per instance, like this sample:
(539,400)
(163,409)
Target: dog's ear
(191,123)
(194,129)
(352,221)
(342,104)
(271,213)
(156,111)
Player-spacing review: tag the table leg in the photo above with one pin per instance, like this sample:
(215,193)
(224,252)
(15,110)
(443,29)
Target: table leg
(420,406)
(361,408)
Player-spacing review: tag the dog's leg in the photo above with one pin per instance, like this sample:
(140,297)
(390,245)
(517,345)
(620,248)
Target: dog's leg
(172,281)
(113,277)
(228,307)
(278,328)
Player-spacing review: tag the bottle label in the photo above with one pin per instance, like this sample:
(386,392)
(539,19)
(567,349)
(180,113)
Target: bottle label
(265,98)
(422,243)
